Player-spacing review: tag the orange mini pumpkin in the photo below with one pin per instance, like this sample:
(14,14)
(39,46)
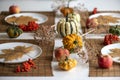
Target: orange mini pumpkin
(66,10)
(72,42)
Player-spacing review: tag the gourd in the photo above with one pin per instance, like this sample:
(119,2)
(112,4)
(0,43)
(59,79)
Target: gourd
(14,31)
(66,10)
(115,30)
(67,64)
(75,16)
(67,26)
(72,42)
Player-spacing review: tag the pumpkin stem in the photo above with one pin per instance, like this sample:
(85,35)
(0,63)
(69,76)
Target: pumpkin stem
(75,42)
(66,58)
(68,3)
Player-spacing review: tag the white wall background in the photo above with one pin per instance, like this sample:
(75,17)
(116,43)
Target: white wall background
(45,5)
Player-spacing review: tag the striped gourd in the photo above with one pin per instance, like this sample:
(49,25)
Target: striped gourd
(66,27)
(75,16)
(14,31)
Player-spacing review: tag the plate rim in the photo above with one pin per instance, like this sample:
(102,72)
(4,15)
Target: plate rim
(108,53)
(102,14)
(40,14)
(39,53)
(107,13)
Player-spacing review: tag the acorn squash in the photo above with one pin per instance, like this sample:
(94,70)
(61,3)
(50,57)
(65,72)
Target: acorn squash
(14,31)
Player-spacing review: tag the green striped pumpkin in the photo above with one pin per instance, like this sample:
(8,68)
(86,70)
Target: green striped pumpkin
(14,31)
(66,27)
(75,16)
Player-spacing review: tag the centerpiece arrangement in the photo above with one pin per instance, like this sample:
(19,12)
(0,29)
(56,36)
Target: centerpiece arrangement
(69,28)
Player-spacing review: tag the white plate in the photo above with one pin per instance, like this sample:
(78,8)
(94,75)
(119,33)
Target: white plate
(31,55)
(106,50)
(111,14)
(41,18)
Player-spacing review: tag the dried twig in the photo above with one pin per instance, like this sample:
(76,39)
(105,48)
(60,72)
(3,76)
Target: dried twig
(88,32)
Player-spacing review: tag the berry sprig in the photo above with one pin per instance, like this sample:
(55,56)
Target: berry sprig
(26,66)
(32,25)
(108,39)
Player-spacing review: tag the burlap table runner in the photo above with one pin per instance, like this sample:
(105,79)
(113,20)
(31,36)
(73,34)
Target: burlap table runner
(93,47)
(100,29)
(4,25)
(43,62)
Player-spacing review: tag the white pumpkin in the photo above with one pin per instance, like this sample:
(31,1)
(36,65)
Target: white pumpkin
(66,27)
(75,16)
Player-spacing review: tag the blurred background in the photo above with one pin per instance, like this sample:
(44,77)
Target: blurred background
(45,5)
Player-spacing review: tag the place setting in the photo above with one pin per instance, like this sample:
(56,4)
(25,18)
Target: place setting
(26,57)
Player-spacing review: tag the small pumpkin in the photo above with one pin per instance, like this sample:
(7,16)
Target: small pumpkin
(72,42)
(67,64)
(75,16)
(66,10)
(14,31)
(67,26)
